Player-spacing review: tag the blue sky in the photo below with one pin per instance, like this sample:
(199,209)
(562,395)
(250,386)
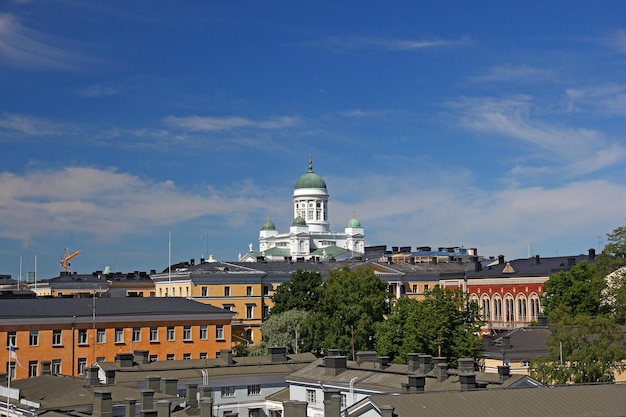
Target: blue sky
(496,125)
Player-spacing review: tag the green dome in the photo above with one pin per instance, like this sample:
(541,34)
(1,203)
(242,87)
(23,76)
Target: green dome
(310,179)
(354,222)
(299,221)
(268,225)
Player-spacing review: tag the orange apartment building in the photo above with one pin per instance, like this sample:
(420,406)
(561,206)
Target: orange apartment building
(66,335)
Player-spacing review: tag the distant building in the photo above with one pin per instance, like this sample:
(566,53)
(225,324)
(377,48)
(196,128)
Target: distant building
(65,335)
(113,284)
(309,236)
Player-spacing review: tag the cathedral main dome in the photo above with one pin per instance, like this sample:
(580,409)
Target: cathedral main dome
(310,179)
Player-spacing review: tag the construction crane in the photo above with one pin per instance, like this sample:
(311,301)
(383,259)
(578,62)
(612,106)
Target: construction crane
(65,259)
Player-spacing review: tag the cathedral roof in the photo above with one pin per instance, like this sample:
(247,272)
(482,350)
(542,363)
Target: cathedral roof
(354,222)
(299,221)
(310,179)
(268,225)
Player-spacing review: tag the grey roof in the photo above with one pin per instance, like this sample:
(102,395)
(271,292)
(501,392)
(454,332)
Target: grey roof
(117,306)
(565,401)
(525,343)
(531,267)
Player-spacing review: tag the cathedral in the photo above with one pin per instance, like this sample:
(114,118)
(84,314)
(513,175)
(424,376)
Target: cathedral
(309,237)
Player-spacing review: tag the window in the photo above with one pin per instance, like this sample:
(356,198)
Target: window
(56,338)
(170,333)
(136,334)
(266,311)
(154,334)
(203,355)
(204,332)
(227,392)
(228,307)
(226,291)
(266,290)
(219,332)
(311,396)
(249,291)
(82,366)
(426,288)
(186,356)
(249,311)
(205,291)
(11,339)
(119,335)
(254,389)
(415,289)
(169,357)
(32,369)
(82,336)
(101,336)
(11,370)
(187,333)
(34,338)
(56,367)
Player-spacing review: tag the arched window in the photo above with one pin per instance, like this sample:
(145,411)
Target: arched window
(509,309)
(522,309)
(485,306)
(535,307)
(497,308)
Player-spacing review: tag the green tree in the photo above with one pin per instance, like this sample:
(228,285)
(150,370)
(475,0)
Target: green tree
(580,289)
(351,303)
(301,292)
(445,323)
(582,349)
(283,329)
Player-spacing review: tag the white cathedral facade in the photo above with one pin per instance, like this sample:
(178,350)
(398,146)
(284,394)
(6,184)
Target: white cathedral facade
(309,237)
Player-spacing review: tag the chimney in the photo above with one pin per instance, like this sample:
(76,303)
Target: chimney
(441,371)
(416,384)
(477,265)
(141,357)
(537,260)
(366,357)
(124,360)
(592,254)
(504,372)
(333,352)
(277,354)
(414,362)
(163,408)
(294,408)
(465,365)
(386,411)
(192,261)
(383,361)
(154,383)
(147,400)
(102,404)
(425,363)
(205,391)
(487,341)
(206,407)
(227,356)
(334,365)
(468,381)
(92,376)
(500,259)
(332,408)
(191,398)
(130,407)
(110,376)
(542,321)
(170,386)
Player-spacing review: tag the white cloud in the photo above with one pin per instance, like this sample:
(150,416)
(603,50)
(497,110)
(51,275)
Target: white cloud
(352,43)
(617,41)
(602,100)
(26,48)
(105,204)
(29,125)
(508,73)
(208,124)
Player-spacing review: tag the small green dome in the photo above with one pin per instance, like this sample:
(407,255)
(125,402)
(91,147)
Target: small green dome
(268,225)
(299,221)
(310,179)
(354,222)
